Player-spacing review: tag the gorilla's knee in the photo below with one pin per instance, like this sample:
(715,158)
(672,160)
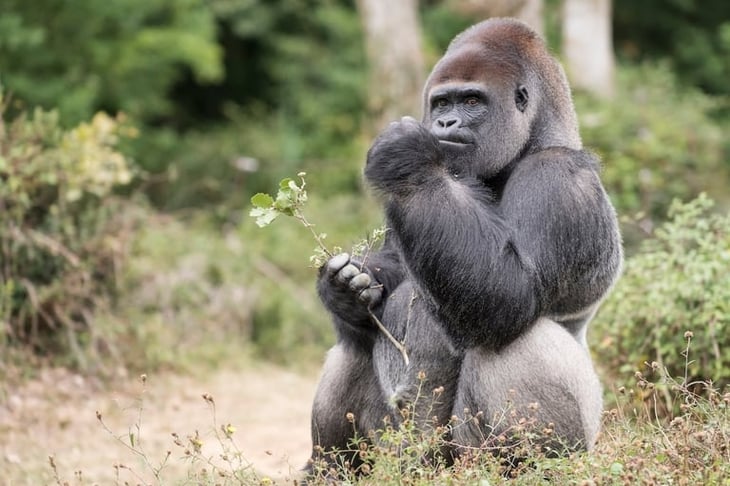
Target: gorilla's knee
(543,383)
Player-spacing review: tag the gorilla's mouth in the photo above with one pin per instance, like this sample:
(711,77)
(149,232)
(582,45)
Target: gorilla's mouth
(455,140)
(451,142)
(455,144)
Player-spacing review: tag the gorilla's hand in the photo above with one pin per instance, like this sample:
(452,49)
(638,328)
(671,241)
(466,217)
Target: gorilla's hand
(402,157)
(347,288)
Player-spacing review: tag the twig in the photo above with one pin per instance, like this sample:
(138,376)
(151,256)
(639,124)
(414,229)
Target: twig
(289,201)
(399,346)
(136,449)
(45,241)
(300,216)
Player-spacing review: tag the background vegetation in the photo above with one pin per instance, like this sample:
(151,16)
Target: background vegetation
(134,132)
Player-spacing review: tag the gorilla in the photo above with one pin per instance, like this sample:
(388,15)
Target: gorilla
(501,243)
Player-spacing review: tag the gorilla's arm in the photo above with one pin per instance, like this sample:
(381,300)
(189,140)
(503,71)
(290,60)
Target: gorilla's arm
(349,286)
(565,220)
(492,268)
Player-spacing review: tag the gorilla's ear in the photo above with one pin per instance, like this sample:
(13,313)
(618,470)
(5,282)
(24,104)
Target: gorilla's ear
(521,97)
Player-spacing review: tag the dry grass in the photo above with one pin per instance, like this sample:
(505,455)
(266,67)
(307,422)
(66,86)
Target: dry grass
(641,443)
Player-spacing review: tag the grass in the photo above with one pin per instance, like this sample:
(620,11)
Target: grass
(641,442)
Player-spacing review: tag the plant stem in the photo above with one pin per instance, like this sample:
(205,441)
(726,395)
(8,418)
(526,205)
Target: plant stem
(298,214)
(399,346)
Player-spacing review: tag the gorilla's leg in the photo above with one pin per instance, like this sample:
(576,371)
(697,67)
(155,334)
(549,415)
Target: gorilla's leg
(426,387)
(348,385)
(546,376)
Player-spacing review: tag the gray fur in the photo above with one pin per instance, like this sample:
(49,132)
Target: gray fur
(544,375)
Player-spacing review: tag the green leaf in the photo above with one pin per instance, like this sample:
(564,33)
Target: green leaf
(264,216)
(294,187)
(283,203)
(262,200)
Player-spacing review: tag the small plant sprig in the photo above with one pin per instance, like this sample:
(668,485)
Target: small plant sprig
(289,201)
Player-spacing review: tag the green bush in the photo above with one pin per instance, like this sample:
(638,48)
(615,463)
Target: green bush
(63,235)
(85,55)
(292,99)
(658,141)
(222,166)
(675,289)
(694,36)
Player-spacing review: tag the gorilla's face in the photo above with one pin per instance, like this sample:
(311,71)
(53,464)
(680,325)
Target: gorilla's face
(480,127)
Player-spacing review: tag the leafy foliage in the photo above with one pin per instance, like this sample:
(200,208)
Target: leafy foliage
(693,35)
(677,286)
(290,201)
(119,55)
(63,235)
(280,58)
(657,143)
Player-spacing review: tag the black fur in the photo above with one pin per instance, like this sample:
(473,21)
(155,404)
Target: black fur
(501,244)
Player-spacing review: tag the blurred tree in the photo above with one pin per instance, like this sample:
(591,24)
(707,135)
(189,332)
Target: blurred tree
(393,41)
(693,35)
(87,55)
(587,45)
(293,98)
(279,56)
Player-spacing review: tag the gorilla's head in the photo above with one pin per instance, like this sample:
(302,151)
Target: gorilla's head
(498,94)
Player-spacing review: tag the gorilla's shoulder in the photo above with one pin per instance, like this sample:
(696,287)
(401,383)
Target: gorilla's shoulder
(561,158)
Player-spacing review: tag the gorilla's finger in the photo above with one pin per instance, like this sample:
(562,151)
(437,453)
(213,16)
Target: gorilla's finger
(360,282)
(371,295)
(349,271)
(336,263)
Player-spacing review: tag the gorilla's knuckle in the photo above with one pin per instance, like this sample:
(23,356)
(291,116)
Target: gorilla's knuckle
(370,295)
(346,273)
(360,281)
(336,263)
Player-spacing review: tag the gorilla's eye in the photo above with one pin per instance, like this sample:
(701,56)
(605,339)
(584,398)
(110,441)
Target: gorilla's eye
(521,98)
(472,101)
(440,102)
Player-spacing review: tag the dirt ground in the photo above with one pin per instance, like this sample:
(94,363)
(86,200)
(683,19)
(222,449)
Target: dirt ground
(56,415)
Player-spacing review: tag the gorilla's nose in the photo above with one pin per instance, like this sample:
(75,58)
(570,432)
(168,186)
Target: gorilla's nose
(449,130)
(447,123)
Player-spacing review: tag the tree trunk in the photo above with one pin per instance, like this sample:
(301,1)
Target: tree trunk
(393,45)
(588,45)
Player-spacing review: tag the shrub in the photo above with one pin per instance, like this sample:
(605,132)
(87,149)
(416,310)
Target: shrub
(63,233)
(658,141)
(677,287)
(120,55)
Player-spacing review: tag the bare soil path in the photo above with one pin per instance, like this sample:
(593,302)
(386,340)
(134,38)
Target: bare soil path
(55,415)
